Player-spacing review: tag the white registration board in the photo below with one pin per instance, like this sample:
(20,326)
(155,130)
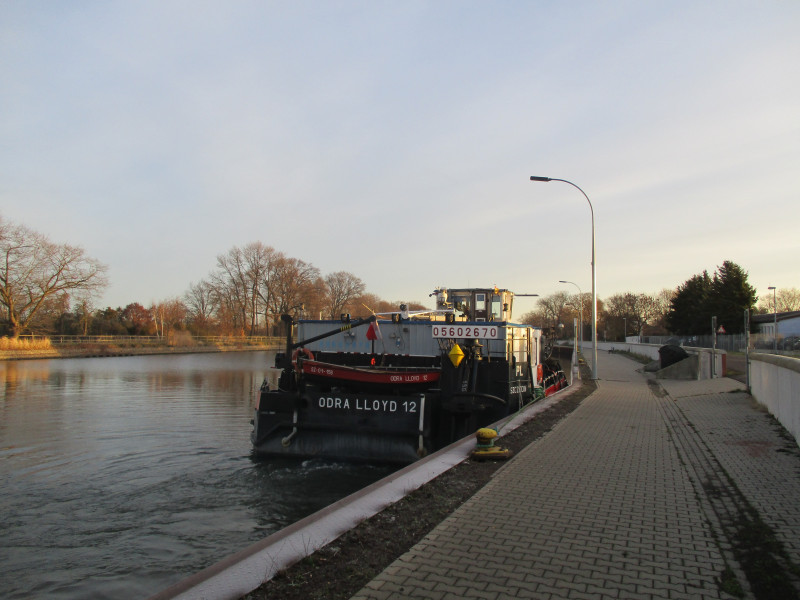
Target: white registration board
(483,332)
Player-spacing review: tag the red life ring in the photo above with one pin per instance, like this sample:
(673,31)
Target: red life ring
(305,351)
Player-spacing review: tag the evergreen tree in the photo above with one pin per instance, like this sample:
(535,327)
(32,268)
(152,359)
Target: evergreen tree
(730,296)
(689,308)
(725,296)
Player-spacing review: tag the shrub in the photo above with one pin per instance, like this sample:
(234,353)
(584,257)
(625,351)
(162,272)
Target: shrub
(7,343)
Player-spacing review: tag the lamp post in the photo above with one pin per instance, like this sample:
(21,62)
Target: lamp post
(625,329)
(594,274)
(775,310)
(580,299)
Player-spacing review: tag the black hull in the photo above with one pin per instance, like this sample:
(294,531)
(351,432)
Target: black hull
(342,425)
(368,427)
(339,446)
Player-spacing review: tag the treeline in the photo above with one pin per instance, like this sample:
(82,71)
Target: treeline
(48,288)
(245,294)
(618,315)
(686,310)
(251,287)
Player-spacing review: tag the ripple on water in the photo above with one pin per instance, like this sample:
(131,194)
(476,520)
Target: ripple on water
(123,475)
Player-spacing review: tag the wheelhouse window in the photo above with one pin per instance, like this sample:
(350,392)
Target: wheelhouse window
(497,309)
(480,307)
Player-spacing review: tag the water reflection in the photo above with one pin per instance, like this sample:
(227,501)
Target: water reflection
(121,475)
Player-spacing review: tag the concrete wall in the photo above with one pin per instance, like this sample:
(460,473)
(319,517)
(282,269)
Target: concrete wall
(687,369)
(775,383)
(649,350)
(705,356)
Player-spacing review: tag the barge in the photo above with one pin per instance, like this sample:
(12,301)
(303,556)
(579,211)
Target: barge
(394,387)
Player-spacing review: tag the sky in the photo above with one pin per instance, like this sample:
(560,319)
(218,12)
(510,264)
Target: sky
(396,140)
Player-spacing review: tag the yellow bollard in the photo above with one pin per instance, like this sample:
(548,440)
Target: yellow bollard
(485,448)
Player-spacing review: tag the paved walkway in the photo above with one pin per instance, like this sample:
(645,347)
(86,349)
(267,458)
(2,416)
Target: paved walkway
(640,493)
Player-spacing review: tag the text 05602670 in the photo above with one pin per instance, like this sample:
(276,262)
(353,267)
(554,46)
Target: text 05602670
(484,332)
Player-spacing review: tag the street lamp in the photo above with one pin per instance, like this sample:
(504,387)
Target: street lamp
(775,309)
(580,299)
(594,274)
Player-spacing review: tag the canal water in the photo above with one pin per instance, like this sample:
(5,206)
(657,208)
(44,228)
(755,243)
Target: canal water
(120,476)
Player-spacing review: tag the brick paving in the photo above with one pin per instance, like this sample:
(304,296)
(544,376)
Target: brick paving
(758,455)
(635,495)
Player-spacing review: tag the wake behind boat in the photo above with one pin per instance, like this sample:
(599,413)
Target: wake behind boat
(437,376)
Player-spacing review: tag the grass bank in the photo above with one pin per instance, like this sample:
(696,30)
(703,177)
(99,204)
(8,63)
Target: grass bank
(24,349)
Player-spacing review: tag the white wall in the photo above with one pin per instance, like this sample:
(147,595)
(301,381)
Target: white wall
(775,383)
(651,351)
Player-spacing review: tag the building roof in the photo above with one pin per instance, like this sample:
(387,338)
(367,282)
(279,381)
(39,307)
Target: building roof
(770,317)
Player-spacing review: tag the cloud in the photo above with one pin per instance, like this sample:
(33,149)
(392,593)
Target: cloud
(396,141)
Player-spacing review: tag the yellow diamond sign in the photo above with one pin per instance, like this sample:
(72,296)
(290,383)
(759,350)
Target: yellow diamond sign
(456,355)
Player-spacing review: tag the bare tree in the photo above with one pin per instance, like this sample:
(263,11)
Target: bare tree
(244,285)
(537,318)
(294,281)
(33,269)
(649,309)
(199,302)
(623,313)
(225,307)
(265,261)
(630,312)
(157,315)
(259,263)
(84,311)
(232,289)
(342,287)
(168,315)
(788,300)
(663,301)
(367,304)
(553,307)
(315,299)
(579,307)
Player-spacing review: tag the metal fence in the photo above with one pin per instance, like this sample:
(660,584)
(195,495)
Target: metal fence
(759,342)
(154,340)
